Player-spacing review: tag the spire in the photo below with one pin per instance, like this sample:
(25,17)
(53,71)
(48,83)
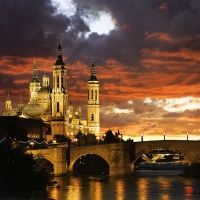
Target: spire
(8,107)
(45,72)
(45,78)
(20,98)
(8,102)
(8,96)
(79,109)
(35,74)
(93,74)
(59,60)
(20,105)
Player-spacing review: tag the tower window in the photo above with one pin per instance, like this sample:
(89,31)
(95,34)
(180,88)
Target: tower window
(92,94)
(88,94)
(92,117)
(95,94)
(58,81)
(62,81)
(58,108)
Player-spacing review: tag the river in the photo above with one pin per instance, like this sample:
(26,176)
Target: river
(140,186)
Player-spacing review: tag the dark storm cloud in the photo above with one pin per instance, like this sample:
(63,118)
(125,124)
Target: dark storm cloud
(29,28)
(133,19)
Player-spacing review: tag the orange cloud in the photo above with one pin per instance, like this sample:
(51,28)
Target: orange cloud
(163,6)
(159,36)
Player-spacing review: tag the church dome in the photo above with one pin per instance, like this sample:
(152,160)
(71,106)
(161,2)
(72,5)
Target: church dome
(8,112)
(33,110)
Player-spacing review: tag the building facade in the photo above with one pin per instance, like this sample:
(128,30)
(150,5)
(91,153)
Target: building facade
(51,105)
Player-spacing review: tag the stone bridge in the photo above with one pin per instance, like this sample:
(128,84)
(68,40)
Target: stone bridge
(119,156)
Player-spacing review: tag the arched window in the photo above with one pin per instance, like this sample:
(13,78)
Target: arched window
(92,117)
(58,81)
(95,94)
(92,94)
(58,110)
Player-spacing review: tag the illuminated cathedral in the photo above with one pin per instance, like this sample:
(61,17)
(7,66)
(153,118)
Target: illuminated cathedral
(51,105)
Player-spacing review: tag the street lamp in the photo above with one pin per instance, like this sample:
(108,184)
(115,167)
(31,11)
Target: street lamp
(75,140)
(97,140)
(32,143)
(187,136)
(142,137)
(164,136)
(54,142)
(120,137)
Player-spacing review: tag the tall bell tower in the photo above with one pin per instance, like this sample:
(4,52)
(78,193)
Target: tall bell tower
(59,91)
(35,83)
(93,103)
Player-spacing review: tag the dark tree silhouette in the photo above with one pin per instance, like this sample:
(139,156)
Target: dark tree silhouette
(62,139)
(18,172)
(109,137)
(85,139)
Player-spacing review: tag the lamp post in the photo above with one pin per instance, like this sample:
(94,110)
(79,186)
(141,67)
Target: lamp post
(164,136)
(54,142)
(187,136)
(75,140)
(97,140)
(142,137)
(120,137)
(32,143)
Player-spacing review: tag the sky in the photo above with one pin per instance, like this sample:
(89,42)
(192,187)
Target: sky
(146,53)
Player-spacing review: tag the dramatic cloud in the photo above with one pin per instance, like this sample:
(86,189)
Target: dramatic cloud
(147,57)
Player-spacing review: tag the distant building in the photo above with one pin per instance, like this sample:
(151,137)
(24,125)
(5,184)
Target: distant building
(51,105)
(21,127)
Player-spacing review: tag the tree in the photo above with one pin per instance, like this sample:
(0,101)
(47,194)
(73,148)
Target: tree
(118,137)
(62,139)
(90,139)
(85,139)
(109,137)
(18,172)
(81,138)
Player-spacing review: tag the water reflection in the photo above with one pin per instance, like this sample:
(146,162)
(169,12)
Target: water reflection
(164,188)
(74,191)
(120,190)
(96,190)
(141,187)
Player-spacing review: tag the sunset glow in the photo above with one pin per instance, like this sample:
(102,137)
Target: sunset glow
(147,58)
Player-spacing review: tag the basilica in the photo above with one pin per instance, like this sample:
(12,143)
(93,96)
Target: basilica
(52,106)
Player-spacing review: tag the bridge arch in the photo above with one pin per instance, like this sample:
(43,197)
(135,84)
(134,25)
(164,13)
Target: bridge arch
(42,162)
(77,152)
(57,156)
(90,164)
(187,149)
(117,155)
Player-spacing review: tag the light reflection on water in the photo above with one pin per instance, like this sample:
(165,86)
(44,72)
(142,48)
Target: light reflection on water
(141,187)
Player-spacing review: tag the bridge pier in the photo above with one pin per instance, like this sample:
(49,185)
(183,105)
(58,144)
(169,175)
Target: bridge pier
(60,164)
(119,159)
